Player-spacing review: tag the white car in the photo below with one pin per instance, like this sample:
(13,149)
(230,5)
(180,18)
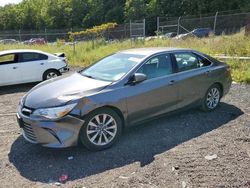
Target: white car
(23,66)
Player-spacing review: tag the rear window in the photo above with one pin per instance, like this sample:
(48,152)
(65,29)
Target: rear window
(211,58)
(186,61)
(24,57)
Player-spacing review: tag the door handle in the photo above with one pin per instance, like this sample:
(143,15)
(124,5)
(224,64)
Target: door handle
(207,72)
(14,67)
(172,82)
(41,63)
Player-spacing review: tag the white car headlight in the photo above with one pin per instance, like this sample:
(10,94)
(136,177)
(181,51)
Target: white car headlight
(54,113)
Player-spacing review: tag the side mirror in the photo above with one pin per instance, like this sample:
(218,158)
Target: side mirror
(137,78)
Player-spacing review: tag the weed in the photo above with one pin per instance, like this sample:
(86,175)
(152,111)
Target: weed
(89,52)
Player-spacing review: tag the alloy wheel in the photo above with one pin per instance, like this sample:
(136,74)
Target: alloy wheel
(51,75)
(101,129)
(213,98)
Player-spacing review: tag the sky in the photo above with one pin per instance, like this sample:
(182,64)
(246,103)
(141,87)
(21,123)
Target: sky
(4,2)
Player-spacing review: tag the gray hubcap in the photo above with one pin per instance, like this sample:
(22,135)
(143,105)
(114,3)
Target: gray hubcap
(51,75)
(101,129)
(213,98)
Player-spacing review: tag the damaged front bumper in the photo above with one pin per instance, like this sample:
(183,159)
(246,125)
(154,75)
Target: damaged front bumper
(64,69)
(54,134)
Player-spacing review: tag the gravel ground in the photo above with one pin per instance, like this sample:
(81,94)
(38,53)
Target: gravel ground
(166,152)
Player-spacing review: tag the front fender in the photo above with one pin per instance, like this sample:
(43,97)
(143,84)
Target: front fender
(91,103)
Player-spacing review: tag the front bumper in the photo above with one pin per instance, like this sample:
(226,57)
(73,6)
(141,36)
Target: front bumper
(55,134)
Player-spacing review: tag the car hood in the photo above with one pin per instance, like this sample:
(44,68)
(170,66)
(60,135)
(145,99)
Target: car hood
(59,91)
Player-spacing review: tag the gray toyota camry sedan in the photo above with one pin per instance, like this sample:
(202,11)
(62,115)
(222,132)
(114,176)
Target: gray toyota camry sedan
(94,105)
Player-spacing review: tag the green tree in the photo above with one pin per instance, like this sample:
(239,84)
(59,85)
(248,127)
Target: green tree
(135,9)
(60,14)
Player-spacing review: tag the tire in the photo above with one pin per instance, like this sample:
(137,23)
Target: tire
(212,98)
(98,136)
(50,74)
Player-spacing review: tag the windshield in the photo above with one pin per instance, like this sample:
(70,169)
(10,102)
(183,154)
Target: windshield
(113,67)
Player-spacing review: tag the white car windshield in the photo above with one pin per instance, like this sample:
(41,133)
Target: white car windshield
(114,67)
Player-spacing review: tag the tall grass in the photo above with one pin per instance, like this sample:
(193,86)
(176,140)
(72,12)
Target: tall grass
(87,53)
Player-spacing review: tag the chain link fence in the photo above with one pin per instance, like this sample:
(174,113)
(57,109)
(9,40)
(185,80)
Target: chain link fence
(135,28)
(220,23)
(122,31)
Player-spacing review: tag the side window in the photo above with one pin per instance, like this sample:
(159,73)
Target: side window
(43,57)
(24,57)
(8,58)
(186,61)
(157,66)
(203,62)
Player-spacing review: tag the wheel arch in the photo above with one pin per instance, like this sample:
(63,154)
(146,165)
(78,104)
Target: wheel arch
(117,110)
(203,100)
(50,69)
(221,87)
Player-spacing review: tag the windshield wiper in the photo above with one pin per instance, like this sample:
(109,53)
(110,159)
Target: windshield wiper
(95,78)
(88,76)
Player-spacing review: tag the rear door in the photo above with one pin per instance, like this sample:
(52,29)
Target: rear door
(33,65)
(156,95)
(10,72)
(193,73)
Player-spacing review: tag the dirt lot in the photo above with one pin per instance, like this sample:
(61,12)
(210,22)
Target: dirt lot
(167,152)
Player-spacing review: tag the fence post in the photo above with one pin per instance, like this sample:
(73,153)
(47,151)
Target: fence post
(74,42)
(130,29)
(74,47)
(215,20)
(158,25)
(144,27)
(19,32)
(46,38)
(178,26)
(125,31)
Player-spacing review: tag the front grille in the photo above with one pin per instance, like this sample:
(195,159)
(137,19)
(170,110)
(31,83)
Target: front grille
(29,132)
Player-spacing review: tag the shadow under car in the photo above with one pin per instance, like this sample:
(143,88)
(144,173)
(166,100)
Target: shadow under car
(140,143)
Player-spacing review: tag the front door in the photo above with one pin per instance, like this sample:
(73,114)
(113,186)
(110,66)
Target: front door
(156,95)
(9,70)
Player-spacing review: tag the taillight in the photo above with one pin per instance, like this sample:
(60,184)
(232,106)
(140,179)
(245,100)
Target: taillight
(65,60)
(228,68)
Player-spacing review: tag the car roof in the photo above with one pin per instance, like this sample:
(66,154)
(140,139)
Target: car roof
(151,51)
(20,51)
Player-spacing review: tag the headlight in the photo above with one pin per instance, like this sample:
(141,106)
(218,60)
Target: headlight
(54,113)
